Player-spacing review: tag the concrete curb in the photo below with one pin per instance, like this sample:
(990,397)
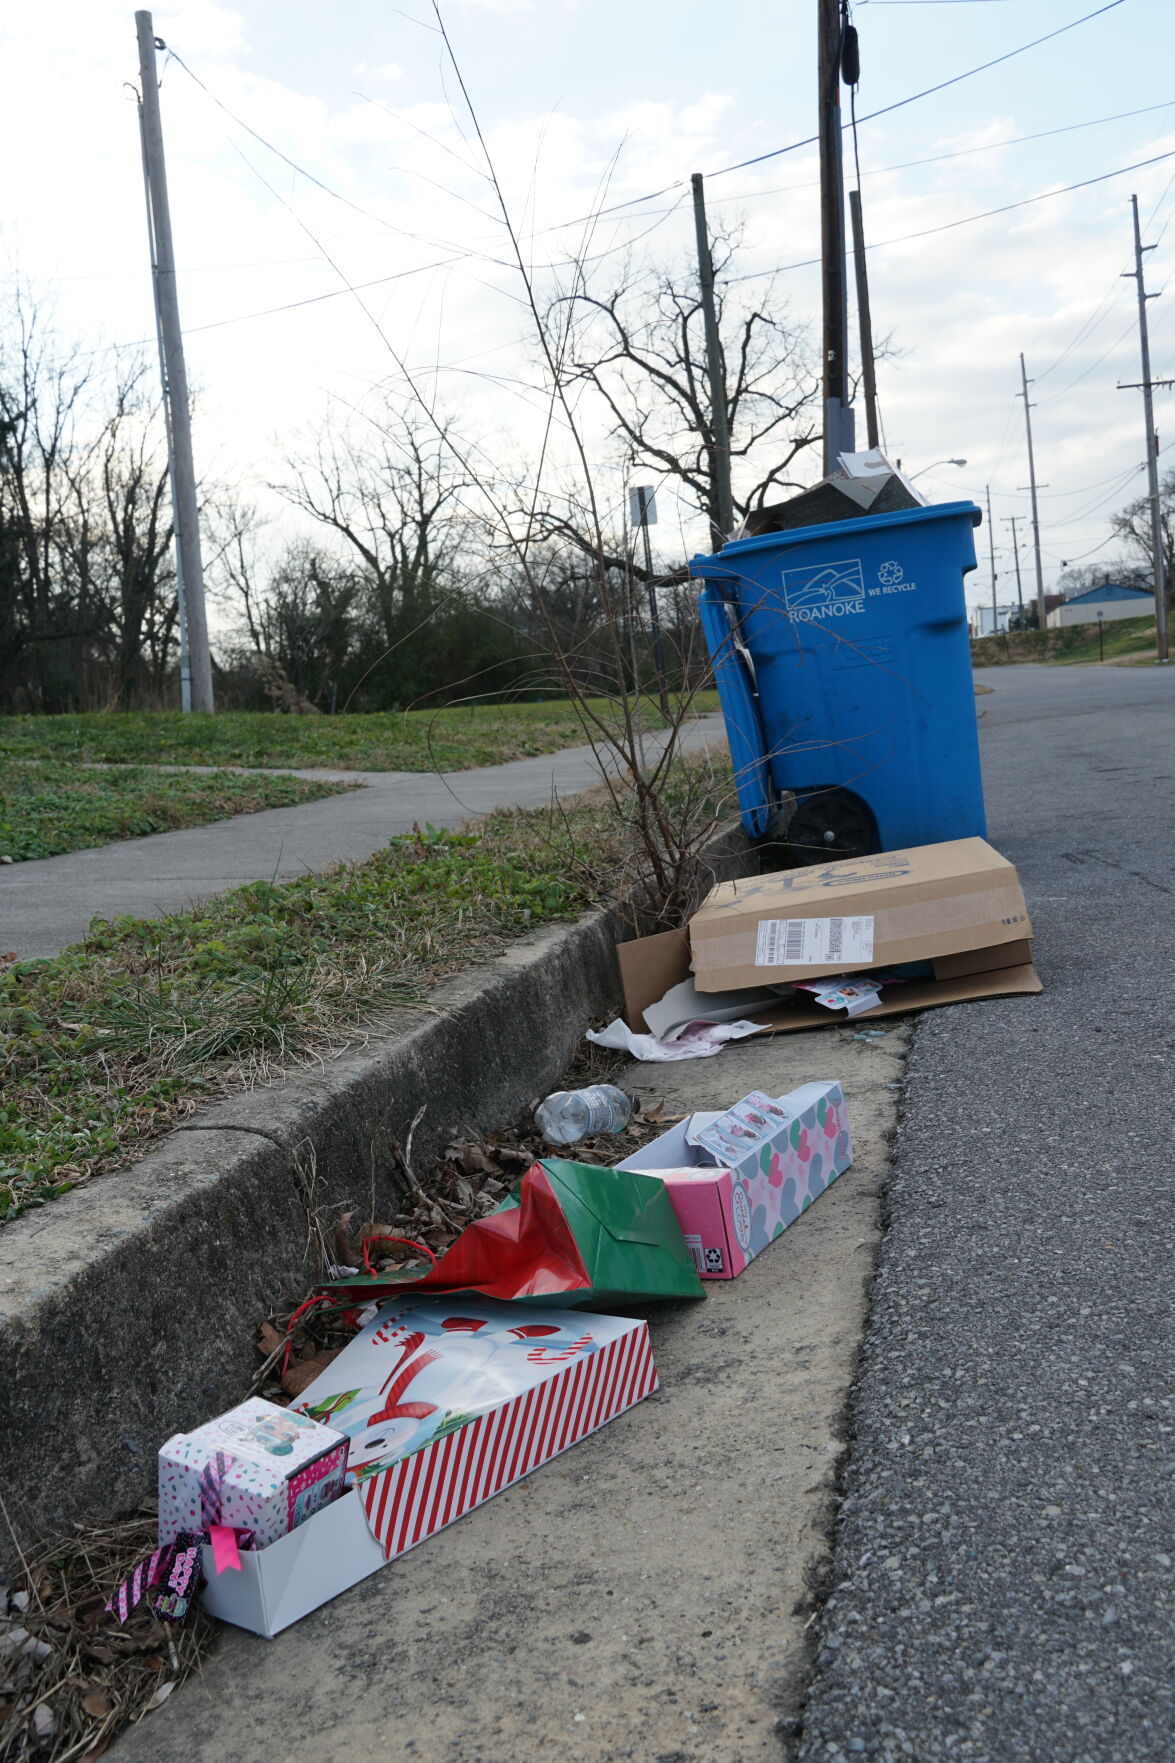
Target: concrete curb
(128,1309)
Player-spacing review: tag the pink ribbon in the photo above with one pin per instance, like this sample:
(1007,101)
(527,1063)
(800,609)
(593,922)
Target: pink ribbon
(226,1552)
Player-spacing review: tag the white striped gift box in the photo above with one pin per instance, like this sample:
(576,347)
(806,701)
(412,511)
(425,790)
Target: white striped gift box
(445,1401)
(423,1493)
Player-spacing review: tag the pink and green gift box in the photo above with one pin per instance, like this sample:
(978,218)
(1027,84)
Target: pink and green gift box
(730,1208)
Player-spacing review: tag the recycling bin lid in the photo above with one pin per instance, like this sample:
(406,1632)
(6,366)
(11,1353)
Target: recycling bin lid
(716,563)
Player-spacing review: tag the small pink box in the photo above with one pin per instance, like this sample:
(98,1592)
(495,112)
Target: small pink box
(729,1213)
(271,1470)
(705,1201)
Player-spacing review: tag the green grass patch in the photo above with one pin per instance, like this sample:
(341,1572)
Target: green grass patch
(1067,645)
(106,1045)
(51,806)
(1125,636)
(414,740)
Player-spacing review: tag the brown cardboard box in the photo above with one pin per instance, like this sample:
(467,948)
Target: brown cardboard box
(957,905)
(931,901)
(650,965)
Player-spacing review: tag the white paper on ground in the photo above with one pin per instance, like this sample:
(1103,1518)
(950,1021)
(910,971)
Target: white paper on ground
(682,1004)
(810,942)
(696,1041)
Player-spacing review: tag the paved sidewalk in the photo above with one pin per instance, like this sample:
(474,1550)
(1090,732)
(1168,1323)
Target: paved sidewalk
(47,904)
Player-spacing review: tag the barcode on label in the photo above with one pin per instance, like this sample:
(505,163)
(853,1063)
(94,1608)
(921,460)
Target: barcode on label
(812,942)
(694,1245)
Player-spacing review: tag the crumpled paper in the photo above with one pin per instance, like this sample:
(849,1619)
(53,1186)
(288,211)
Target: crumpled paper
(699,1040)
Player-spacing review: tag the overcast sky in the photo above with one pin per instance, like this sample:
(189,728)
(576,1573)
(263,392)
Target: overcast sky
(571,93)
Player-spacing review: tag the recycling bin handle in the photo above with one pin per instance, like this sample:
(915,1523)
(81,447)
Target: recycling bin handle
(755,791)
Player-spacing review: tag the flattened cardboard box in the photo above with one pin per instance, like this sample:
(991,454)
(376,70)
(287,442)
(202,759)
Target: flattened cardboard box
(899,906)
(650,965)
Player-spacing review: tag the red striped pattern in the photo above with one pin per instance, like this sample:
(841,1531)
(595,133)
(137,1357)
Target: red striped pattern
(424,1492)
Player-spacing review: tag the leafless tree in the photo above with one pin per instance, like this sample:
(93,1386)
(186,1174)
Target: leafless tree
(640,346)
(388,486)
(87,590)
(1133,526)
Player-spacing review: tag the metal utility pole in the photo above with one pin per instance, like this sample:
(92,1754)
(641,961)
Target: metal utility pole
(643,510)
(723,501)
(864,318)
(838,414)
(1011,519)
(189,568)
(995,610)
(1147,385)
(1040,614)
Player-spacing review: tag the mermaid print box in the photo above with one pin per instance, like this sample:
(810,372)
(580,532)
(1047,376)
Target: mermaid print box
(258,1467)
(737,1180)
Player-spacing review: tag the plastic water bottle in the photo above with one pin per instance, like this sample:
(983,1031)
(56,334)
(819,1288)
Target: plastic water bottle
(569,1115)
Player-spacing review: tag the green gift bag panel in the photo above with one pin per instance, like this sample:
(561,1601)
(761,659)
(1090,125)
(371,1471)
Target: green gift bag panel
(595,1236)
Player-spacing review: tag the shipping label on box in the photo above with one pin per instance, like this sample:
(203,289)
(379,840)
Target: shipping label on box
(728,1215)
(259,1467)
(446,1401)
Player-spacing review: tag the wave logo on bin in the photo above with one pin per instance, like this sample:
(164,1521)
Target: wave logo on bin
(824,590)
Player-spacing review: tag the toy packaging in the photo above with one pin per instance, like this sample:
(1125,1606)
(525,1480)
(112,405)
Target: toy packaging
(259,1468)
(737,1180)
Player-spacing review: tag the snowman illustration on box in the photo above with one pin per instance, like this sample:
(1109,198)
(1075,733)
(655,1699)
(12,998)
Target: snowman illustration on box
(423,1369)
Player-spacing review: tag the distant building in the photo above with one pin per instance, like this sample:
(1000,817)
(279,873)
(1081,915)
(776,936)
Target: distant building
(1112,600)
(984,625)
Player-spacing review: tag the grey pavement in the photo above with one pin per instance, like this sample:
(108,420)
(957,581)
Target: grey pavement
(48,903)
(1004,1574)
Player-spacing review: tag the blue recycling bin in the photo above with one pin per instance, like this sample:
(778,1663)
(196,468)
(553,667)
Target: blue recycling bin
(843,664)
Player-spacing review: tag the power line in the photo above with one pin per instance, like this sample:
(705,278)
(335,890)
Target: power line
(886,110)
(1109,299)
(940,158)
(967,219)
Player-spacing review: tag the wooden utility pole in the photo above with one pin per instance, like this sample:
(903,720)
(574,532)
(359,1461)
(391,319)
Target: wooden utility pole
(838,415)
(1040,613)
(1011,520)
(185,506)
(868,368)
(722,503)
(1146,385)
(995,609)
(644,509)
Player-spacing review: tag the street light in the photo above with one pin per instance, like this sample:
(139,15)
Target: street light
(926,468)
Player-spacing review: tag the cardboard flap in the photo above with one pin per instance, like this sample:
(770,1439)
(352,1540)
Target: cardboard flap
(668,962)
(648,967)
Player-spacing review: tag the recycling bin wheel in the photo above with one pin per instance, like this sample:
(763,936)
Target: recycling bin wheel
(831,823)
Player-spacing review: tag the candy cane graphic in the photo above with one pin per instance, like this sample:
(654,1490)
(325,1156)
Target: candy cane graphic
(393,1408)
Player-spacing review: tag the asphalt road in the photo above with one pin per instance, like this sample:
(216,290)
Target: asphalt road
(1004,1572)
(48,903)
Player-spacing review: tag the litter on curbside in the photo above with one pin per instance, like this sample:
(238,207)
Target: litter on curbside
(480,1369)
(805,948)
